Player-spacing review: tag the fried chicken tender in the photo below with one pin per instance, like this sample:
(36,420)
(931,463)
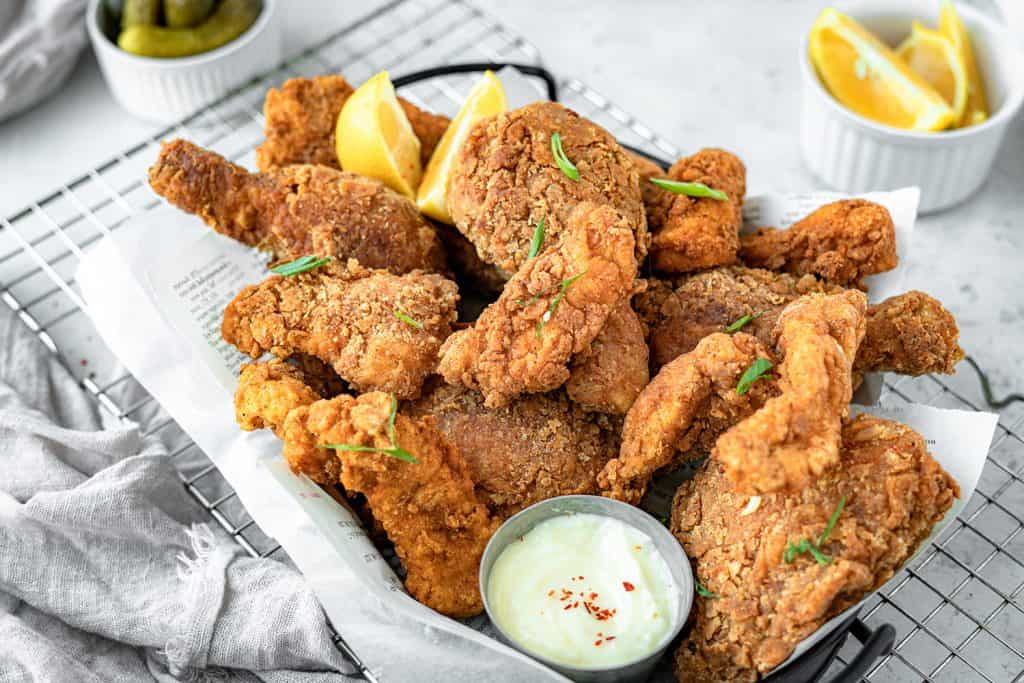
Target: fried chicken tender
(351,318)
(299,210)
(537,447)
(505,181)
(302,115)
(795,436)
(428,508)
(910,333)
(550,311)
(685,408)
(842,242)
(694,233)
(608,376)
(894,494)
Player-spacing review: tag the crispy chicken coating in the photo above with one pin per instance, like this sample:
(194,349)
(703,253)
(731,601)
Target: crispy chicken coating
(299,210)
(910,333)
(693,233)
(842,242)
(505,181)
(608,376)
(352,319)
(894,494)
(302,115)
(537,447)
(795,436)
(428,508)
(550,311)
(685,408)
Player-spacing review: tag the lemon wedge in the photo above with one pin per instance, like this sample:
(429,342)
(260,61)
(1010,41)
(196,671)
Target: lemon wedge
(866,76)
(976,109)
(487,98)
(933,57)
(373,137)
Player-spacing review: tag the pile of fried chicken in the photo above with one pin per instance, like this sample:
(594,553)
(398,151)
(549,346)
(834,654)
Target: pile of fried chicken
(581,375)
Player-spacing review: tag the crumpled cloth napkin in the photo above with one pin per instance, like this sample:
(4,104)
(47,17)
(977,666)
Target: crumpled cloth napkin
(40,41)
(108,571)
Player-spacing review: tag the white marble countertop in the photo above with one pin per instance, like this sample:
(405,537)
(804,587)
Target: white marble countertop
(701,74)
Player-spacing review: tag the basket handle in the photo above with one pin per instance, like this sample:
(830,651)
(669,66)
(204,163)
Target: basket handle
(875,643)
(473,67)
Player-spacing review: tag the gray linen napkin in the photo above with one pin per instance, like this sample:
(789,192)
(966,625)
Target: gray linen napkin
(108,571)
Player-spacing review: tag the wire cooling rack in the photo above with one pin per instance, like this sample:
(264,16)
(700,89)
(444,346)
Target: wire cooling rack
(958,609)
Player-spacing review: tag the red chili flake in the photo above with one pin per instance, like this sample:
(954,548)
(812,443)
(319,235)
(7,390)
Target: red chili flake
(593,596)
(628,586)
(586,606)
(599,633)
(610,638)
(581,578)
(567,607)
(576,604)
(551,592)
(597,643)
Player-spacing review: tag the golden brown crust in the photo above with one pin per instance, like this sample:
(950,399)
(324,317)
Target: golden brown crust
(895,493)
(518,345)
(268,391)
(302,115)
(295,211)
(693,233)
(842,242)
(609,375)
(346,317)
(911,334)
(537,447)
(794,437)
(505,180)
(428,508)
(685,408)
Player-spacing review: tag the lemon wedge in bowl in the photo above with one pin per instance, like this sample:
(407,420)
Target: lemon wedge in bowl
(933,57)
(487,98)
(867,77)
(373,137)
(976,109)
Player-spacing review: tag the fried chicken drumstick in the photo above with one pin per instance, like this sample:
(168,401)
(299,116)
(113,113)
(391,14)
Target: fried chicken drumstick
(379,331)
(550,311)
(296,211)
(889,492)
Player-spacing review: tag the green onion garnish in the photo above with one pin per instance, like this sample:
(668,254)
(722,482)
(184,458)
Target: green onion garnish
(526,302)
(395,451)
(563,288)
(563,161)
(744,321)
(538,240)
(300,265)
(407,320)
(689,189)
(832,522)
(755,372)
(704,592)
(814,548)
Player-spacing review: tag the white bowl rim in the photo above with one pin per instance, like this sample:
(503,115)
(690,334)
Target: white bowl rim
(1009,108)
(99,38)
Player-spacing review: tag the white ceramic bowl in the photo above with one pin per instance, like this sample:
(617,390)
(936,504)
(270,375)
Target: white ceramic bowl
(166,90)
(853,154)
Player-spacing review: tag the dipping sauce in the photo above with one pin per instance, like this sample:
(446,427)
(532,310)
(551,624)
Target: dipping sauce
(584,590)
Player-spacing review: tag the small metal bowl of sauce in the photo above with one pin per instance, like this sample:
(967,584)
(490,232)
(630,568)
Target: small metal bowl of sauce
(591,587)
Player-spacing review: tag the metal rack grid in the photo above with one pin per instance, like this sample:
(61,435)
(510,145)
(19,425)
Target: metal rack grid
(958,610)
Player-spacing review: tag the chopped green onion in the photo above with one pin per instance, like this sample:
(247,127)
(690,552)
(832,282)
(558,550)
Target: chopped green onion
(563,161)
(689,189)
(538,240)
(563,288)
(755,372)
(300,265)
(407,320)
(814,549)
(395,451)
(526,302)
(704,592)
(744,321)
(832,522)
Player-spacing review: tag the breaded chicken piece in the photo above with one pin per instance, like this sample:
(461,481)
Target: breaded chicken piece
(352,319)
(842,242)
(537,447)
(795,436)
(894,493)
(505,181)
(299,210)
(609,375)
(428,508)
(302,115)
(685,408)
(550,311)
(910,333)
(693,233)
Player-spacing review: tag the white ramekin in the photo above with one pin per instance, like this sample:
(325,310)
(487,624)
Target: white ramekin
(166,90)
(853,154)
